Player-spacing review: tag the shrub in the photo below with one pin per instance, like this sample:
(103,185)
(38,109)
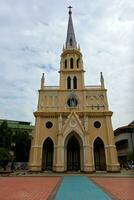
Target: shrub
(5,157)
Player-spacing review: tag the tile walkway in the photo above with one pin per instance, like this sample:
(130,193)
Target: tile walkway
(80,188)
(27,188)
(73,187)
(121,188)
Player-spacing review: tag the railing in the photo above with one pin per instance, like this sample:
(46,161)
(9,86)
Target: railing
(86,86)
(92,86)
(51,87)
(78,108)
(98,107)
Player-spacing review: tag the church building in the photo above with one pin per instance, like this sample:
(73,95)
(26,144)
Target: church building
(73,129)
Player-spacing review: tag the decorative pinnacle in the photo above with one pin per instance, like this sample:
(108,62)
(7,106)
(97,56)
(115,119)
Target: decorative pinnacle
(70,11)
(42,81)
(101,75)
(102,80)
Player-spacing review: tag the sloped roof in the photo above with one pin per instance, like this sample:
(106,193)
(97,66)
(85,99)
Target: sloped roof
(125,129)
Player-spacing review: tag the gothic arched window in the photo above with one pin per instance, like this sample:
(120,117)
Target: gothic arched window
(75,82)
(68,82)
(78,62)
(65,64)
(71,63)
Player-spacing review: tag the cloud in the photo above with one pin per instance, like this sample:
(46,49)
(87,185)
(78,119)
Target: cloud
(32,34)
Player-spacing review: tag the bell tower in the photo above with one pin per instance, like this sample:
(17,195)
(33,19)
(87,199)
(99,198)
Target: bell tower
(71,66)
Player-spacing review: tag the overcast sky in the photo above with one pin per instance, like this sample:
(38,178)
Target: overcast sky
(32,33)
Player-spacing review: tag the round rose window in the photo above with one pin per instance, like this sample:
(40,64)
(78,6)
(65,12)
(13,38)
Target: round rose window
(49,124)
(97,124)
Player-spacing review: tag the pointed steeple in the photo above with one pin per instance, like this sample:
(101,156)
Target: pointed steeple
(70,40)
(71,64)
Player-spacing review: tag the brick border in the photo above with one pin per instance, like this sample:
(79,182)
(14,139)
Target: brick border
(56,188)
(113,197)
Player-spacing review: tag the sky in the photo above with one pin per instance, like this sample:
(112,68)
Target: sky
(32,34)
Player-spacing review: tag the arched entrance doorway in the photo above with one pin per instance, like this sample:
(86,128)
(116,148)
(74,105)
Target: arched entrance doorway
(99,155)
(47,156)
(73,154)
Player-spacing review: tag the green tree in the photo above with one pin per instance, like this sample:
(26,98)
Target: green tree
(5,136)
(21,140)
(22,147)
(5,144)
(5,157)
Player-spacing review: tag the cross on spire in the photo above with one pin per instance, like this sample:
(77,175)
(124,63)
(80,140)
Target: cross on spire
(70,11)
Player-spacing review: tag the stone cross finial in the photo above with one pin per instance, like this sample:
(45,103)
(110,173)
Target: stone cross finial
(70,11)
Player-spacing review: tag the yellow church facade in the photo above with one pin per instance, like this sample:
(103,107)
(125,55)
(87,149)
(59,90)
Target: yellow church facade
(73,129)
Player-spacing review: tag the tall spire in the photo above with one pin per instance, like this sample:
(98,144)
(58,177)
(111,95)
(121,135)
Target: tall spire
(70,41)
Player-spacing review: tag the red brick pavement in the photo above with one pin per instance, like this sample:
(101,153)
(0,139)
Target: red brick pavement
(121,188)
(27,188)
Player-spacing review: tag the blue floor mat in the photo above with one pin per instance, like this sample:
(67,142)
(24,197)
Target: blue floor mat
(80,188)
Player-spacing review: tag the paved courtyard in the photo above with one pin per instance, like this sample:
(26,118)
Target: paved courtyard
(121,188)
(79,187)
(27,188)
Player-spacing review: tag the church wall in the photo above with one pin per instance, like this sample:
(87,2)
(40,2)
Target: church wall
(97,132)
(105,132)
(48,132)
(73,112)
(57,100)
